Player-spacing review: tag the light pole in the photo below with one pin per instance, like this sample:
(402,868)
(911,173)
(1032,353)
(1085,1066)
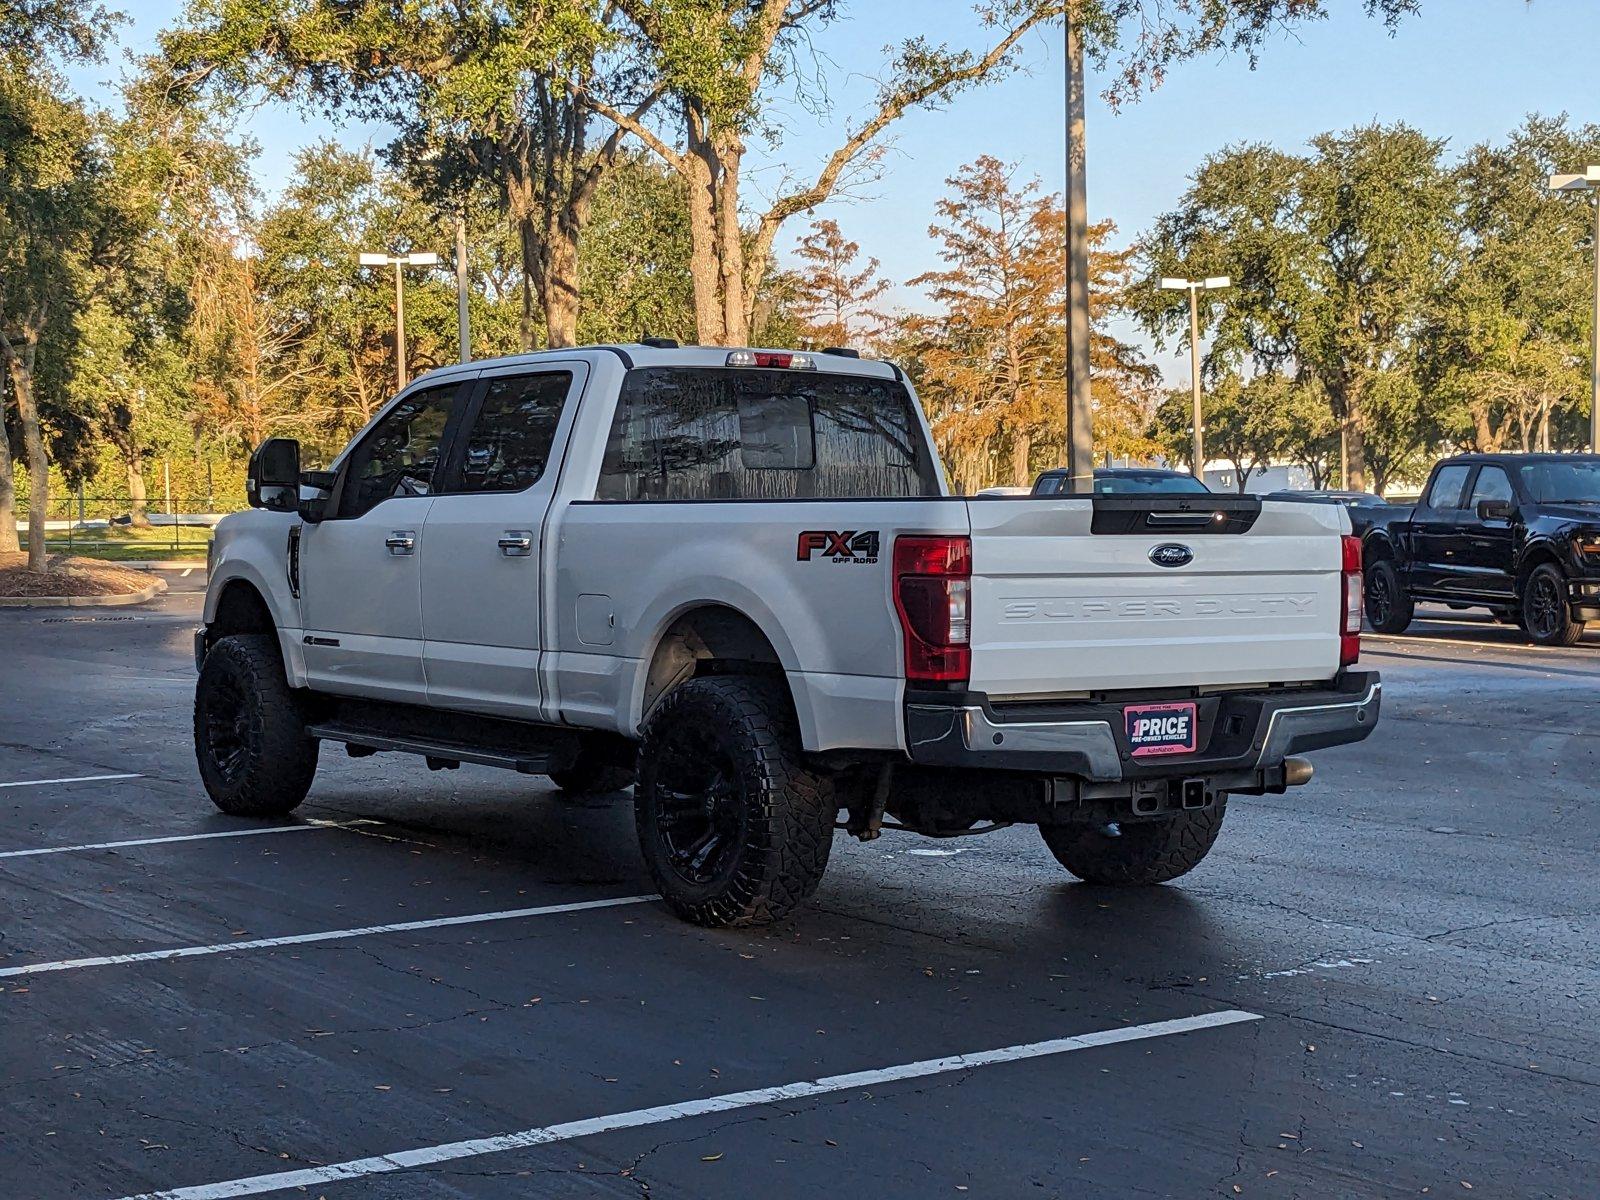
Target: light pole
(399,262)
(1588,181)
(1079,450)
(1194,287)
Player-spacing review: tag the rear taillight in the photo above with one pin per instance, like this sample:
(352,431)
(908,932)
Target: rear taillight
(932,594)
(1350,606)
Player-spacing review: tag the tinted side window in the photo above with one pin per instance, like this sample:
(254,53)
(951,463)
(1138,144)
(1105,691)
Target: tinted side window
(1447,484)
(717,433)
(399,456)
(1493,484)
(509,444)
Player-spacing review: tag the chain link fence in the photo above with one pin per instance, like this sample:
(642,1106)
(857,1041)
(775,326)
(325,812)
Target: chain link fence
(118,527)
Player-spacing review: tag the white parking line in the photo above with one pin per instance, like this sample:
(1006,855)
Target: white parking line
(69,779)
(187,837)
(326,935)
(401,1160)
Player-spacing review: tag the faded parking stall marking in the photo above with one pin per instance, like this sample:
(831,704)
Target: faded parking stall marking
(326,935)
(425,1156)
(307,827)
(69,779)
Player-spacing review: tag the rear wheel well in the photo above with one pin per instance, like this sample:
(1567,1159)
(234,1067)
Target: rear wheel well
(710,640)
(240,610)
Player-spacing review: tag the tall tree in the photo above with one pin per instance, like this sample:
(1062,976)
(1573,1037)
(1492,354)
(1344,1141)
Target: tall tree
(501,90)
(991,357)
(1508,347)
(833,294)
(717,66)
(51,229)
(1337,260)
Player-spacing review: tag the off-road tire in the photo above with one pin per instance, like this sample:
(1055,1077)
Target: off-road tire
(1545,626)
(1139,853)
(593,773)
(778,813)
(262,763)
(1389,607)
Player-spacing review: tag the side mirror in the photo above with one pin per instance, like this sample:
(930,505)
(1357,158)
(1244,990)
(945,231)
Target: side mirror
(1495,510)
(273,478)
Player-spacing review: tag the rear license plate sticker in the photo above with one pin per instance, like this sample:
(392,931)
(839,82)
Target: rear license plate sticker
(1161,728)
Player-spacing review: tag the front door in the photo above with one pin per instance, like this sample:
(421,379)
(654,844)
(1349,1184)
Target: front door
(481,571)
(360,587)
(1436,565)
(1490,546)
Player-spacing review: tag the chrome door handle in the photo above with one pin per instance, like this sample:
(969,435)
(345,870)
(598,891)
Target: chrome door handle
(517,543)
(402,541)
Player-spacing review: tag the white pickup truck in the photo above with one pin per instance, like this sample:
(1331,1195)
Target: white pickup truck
(736,580)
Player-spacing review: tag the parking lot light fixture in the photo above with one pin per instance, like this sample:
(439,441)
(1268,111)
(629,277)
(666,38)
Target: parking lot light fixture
(1586,182)
(420,258)
(1194,287)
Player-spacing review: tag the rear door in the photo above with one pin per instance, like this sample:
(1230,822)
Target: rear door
(481,602)
(360,589)
(1072,596)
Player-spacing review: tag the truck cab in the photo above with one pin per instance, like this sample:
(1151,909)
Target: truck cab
(1517,534)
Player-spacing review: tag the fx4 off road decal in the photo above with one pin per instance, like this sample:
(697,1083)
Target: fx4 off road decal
(849,546)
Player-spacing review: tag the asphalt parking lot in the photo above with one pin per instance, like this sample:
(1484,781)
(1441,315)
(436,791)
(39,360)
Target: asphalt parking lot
(1381,985)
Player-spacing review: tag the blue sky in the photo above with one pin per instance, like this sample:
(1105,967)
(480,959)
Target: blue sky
(1468,70)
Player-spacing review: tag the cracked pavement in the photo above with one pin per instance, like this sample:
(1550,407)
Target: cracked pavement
(1417,928)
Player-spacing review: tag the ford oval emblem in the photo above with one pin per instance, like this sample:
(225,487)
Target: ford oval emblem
(1172,554)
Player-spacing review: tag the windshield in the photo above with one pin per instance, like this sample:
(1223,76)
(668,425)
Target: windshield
(1577,481)
(1146,481)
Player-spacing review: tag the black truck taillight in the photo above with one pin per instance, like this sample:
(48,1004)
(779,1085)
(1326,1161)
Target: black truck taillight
(1350,600)
(932,594)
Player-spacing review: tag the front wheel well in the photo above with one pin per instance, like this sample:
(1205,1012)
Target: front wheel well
(240,610)
(710,640)
(1536,556)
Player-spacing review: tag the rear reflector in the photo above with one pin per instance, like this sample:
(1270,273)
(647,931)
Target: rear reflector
(768,358)
(932,594)
(1350,600)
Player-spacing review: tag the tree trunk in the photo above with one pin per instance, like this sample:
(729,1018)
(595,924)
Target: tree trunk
(137,515)
(22,381)
(703,269)
(530,283)
(559,288)
(8,483)
(730,245)
(1021,450)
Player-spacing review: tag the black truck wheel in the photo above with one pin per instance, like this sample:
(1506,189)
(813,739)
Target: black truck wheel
(249,732)
(1389,607)
(734,827)
(1546,614)
(1137,853)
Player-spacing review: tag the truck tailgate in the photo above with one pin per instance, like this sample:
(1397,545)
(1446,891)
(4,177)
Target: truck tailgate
(1060,609)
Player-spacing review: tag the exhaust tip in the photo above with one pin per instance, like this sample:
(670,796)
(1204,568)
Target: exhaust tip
(1296,772)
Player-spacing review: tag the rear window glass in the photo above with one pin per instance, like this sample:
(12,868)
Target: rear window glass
(709,433)
(1446,490)
(1150,481)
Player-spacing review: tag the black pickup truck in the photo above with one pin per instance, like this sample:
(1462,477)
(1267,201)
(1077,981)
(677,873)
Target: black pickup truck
(1518,534)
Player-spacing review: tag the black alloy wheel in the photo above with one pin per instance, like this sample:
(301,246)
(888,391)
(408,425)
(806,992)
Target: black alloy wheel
(1388,608)
(1546,614)
(699,805)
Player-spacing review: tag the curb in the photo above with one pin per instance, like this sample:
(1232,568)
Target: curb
(139,597)
(159,564)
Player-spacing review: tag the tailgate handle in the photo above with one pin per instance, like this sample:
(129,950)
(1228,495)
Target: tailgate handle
(1178,518)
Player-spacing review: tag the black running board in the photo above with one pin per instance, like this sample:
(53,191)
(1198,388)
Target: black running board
(446,738)
(450,752)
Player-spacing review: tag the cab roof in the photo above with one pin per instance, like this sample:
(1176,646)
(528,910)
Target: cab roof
(637,354)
